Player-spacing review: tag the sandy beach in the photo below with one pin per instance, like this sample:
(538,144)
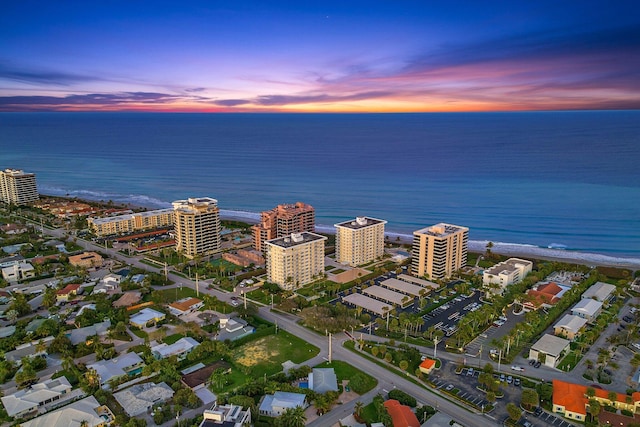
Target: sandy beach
(509,249)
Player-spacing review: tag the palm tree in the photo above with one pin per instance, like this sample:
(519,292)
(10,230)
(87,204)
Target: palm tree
(358,408)
(293,417)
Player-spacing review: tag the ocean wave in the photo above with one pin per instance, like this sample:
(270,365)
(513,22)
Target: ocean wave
(133,199)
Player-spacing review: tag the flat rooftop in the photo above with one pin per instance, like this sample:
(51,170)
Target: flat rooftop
(441,230)
(128,217)
(508,266)
(372,305)
(295,239)
(360,222)
(404,287)
(387,295)
(420,282)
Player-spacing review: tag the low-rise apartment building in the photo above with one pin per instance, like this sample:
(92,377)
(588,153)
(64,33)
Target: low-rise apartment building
(507,273)
(129,223)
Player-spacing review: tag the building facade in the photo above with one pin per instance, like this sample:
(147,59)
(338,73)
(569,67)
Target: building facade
(295,260)
(439,250)
(197,226)
(17,187)
(130,223)
(283,220)
(359,241)
(507,273)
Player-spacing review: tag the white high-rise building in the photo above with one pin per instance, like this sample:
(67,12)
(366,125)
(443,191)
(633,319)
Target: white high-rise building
(439,250)
(295,260)
(359,241)
(17,187)
(197,226)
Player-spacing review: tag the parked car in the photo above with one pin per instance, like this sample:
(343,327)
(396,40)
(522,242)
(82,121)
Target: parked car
(516,382)
(509,379)
(470,372)
(537,412)
(537,365)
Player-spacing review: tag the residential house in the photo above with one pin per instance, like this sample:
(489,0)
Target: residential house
(140,398)
(226,416)
(322,380)
(401,415)
(27,401)
(180,348)
(67,293)
(86,413)
(600,291)
(13,229)
(549,350)
(569,326)
(185,305)
(31,349)
(125,364)
(587,309)
(128,299)
(544,295)
(81,335)
(274,405)
(145,316)
(19,271)
(233,328)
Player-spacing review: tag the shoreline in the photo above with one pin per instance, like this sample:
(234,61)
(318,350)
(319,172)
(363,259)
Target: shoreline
(477,246)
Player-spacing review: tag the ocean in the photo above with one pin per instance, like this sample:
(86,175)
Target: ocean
(567,180)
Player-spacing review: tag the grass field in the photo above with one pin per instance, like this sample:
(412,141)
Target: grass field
(171,339)
(165,296)
(266,355)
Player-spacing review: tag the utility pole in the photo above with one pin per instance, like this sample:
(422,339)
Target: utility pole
(197,286)
(436,340)
(329,347)
(499,359)
(244,294)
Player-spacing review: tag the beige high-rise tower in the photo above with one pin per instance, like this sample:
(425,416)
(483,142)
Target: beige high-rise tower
(17,187)
(439,250)
(359,241)
(283,220)
(197,226)
(295,260)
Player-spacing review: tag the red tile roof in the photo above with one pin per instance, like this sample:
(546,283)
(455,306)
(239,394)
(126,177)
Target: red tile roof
(401,415)
(574,396)
(68,289)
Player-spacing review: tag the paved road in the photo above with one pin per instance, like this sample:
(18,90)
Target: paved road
(386,379)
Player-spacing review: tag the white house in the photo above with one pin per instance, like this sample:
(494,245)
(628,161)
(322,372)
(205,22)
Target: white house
(274,405)
(587,309)
(507,272)
(549,349)
(599,291)
(29,400)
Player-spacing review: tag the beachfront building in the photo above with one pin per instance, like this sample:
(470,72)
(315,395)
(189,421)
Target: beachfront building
(600,291)
(295,260)
(359,241)
(197,226)
(438,251)
(569,327)
(283,220)
(506,273)
(130,223)
(17,187)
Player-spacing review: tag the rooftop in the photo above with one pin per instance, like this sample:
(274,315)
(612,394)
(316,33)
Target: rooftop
(599,291)
(401,415)
(71,415)
(571,323)
(404,287)
(360,222)
(32,397)
(509,266)
(295,239)
(137,399)
(587,306)
(441,230)
(550,344)
(185,304)
(368,303)
(117,367)
(130,216)
(387,295)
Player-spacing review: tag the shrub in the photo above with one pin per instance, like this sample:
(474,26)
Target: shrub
(403,398)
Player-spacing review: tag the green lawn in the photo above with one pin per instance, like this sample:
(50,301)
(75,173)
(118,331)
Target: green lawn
(165,296)
(344,371)
(570,361)
(171,339)
(139,333)
(369,414)
(266,355)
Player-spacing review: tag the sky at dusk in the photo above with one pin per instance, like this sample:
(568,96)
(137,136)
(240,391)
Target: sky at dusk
(332,56)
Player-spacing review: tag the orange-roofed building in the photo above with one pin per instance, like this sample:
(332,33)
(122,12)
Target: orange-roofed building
(571,400)
(546,294)
(401,415)
(185,305)
(86,260)
(427,366)
(67,292)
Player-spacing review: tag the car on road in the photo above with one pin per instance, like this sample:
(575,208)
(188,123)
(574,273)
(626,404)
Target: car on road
(517,368)
(537,365)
